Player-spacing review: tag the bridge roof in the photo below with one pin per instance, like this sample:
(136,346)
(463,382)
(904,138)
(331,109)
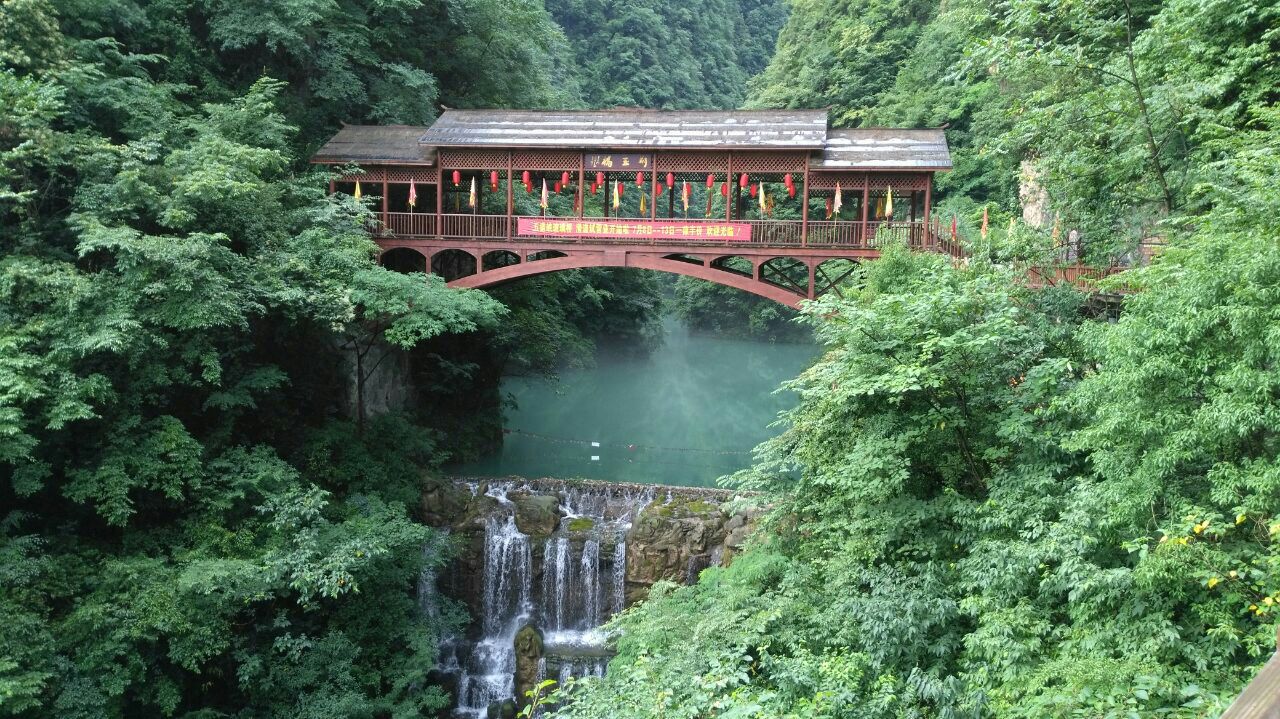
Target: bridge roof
(377,144)
(626,129)
(875,148)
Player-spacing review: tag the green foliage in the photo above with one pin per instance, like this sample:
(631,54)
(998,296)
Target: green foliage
(986,505)
(708,307)
(188,528)
(653,54)
(842,55)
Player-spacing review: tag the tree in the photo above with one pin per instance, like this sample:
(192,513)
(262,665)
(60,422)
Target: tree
(402,310)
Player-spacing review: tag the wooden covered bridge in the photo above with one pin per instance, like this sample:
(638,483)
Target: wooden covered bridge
(771,201)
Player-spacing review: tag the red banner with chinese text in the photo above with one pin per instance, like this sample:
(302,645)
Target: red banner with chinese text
(633,229)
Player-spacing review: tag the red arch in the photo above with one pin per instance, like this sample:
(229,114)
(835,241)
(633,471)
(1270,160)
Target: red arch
(539,267)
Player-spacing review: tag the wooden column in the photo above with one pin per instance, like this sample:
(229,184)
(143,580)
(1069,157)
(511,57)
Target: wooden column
(511,200)
(582,189)
(728,206)
(804,207)
(928,202)
(866,199)
(385,219)
(653,192)
(440,200)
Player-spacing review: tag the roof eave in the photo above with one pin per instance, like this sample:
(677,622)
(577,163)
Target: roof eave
(624,148)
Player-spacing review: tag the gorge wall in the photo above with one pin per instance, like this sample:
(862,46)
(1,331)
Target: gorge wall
(544,563)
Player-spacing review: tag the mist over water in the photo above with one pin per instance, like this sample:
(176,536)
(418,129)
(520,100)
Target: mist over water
(684,415)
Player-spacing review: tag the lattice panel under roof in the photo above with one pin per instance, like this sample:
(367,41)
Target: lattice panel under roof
(399,174)
(702,162)
(876,181)
(472,159)
(769,162)
(828,180)
(370,174)
(905,181)
(545,160)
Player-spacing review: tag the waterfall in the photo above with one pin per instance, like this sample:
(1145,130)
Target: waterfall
(486,674)
(567,592)
(618,591)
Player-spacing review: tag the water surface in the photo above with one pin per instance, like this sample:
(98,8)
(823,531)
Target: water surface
(684,415)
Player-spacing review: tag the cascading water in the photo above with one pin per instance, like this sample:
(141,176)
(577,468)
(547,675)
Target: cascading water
(567,590)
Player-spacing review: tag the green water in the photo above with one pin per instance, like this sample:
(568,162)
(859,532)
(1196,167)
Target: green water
(684,415)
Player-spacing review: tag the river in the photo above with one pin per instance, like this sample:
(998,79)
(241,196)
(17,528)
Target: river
(686,414)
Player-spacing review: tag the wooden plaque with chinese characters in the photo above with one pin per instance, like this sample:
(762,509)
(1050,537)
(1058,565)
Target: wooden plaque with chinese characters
(615,162)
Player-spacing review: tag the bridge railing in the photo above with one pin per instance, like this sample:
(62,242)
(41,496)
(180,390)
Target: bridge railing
(474,226)
(776,232)
(769,232)
(410,224)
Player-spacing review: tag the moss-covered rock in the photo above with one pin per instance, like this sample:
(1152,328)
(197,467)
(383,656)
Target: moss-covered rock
(537,515)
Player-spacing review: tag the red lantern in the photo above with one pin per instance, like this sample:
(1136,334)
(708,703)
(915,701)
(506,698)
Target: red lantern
(619,187)
(493,180)
(724,189)
(742,181)
(594,188)
(524,177)
(711,181)
(457,177)
(528,187)
(671,180)
(600,179)
(786,179)
(754,190)
(660,189)
(639,179)
(791,190)
(557,187)
(564,179)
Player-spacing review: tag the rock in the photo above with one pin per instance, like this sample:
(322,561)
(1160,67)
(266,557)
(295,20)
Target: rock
(528,653)
(671,541)
(537,515)
(501,710)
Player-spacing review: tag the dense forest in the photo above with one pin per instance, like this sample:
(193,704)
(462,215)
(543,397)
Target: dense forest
(990,500)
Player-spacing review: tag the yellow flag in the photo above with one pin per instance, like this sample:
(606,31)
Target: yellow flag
(617,194)
(358,193)
(471,199)
(642,207)
(684,196)
(764,205)
(888,203)
(543,204)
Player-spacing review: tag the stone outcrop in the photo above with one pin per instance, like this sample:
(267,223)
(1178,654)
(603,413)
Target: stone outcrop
(528,654)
